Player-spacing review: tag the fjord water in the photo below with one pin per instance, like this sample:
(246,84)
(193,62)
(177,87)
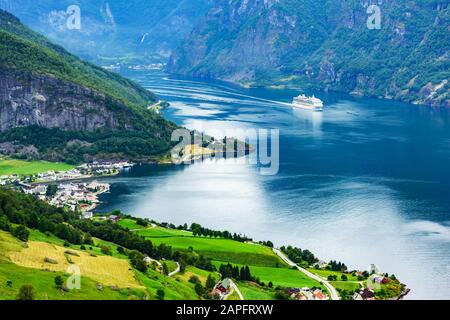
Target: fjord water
(367,181)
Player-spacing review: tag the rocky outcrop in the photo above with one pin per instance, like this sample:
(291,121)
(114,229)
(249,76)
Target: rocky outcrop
(32,99)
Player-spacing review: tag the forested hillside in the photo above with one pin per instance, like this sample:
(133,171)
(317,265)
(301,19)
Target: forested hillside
(325,45)
(131,31)
(82,110)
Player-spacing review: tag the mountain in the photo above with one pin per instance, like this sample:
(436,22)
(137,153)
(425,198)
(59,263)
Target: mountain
(325,45)
(52,103)
(138,30)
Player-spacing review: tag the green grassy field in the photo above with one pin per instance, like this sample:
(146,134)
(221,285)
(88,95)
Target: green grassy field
(217,249)
(43,280)
(95,249)
(283,276)
(22,168)
(345,285)
(172,265)
(252,291)
(326,273)
(44,285)
(130,224)
(160,232)
(174,288)
(201,274)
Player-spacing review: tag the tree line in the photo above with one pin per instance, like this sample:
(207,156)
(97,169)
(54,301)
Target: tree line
(26,211)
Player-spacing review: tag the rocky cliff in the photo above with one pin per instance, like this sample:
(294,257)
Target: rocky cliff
(325,45)
(55,106)
(33,99)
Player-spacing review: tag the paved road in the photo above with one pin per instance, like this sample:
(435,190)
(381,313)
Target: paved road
(333,293)
(235,288)
(176,271)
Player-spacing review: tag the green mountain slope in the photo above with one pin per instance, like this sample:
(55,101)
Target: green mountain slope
(39,242)
(325,45)
(46,91)
(137,31)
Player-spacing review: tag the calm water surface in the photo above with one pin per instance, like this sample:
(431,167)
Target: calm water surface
(367,181)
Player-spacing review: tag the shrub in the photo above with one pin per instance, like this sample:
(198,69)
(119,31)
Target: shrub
(59,281)
(194,279)
(106,250)
(137,261)
(21,233)
(281,294)
(26,292)
(4,224)
(210,283)
(160,294)
(165,269)
(199,289)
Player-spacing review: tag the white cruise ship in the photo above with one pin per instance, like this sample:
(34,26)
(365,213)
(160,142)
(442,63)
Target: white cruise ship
(309,103)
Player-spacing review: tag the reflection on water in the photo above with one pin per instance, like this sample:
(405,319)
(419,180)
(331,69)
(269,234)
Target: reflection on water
(312,120)
(366,181)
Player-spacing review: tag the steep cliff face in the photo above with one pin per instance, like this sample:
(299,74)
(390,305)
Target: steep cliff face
(31,99)
(325,45)
(57,107)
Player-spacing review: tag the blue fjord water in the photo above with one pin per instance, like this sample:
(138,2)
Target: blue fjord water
(367,181)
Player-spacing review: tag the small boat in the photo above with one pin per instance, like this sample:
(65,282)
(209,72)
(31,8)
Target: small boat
(308,103)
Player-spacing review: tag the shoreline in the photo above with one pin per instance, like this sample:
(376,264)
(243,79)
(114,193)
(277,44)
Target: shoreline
(290,86)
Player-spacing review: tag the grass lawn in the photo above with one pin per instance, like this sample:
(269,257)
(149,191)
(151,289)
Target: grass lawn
(218,249)
(172,265)
(282,276)
(326,273)
(345,285)
(22,168)
(36,235)
(130,224)
(201,274)
(160,232)
(252,291)
(234,297)
(174,288)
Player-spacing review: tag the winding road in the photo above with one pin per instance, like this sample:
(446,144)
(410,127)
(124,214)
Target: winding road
(332,290)
(176,271)
(235,289)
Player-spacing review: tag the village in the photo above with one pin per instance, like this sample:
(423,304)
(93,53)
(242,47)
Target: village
(85,171)
(66,189)
(82,197)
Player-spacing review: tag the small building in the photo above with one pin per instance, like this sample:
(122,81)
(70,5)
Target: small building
(319,295)
(224,286)
(88,215)
(367,294)
(114,218)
